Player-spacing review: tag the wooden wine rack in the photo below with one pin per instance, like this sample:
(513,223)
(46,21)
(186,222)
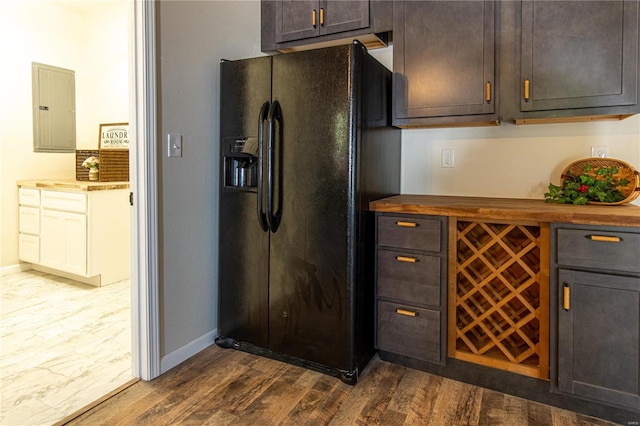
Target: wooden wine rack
(499,295)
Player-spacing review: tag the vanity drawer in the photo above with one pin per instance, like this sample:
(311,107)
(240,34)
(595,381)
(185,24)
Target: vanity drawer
(409,277)
(409,232)
(29,248)
(29,220)
(592,248)
(65,201)
(409,331)
(29,197)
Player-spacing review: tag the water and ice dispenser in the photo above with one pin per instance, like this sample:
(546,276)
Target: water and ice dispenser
(240,163)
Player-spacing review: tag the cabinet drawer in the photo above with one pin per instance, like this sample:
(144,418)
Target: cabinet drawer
(29,248)
(29,197)
(409,277)
(65,201)
(29,220)
(409,232)
(409,331)
(591,248)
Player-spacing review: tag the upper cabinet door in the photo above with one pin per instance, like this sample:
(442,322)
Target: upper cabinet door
(340,16)
(578,54)
(300,19)
(443,60)
(297,19)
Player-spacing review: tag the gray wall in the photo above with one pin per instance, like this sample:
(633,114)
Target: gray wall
(192,39)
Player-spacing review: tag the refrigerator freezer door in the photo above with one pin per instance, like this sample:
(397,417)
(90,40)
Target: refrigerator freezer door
(244,246)
(311,255)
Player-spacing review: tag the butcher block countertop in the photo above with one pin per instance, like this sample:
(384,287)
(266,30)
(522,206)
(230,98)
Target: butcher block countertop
(72,185)
(509,209)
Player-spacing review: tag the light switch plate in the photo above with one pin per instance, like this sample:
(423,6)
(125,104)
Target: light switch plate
(174,145)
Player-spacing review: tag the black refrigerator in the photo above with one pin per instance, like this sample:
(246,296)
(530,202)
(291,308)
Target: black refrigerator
(306,143)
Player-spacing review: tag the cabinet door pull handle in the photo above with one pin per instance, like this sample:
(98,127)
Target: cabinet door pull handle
(322,16)
(526,90)
(566,297)
(406,312)
(487,92)
(313,18)
(407,224)
(406,259)
(604,238)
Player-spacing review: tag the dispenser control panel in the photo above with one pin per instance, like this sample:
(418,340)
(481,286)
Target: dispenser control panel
(240,162)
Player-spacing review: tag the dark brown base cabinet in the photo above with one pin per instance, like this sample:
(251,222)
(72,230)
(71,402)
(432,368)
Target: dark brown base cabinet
(411,286)
(596,295)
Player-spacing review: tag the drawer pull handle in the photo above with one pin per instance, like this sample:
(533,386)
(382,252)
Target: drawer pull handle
(566,297)
(407,224)
(604,238)
(406,259)
(526,90)
(406,312)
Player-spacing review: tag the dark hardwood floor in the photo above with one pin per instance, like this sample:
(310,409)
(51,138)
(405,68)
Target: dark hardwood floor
(229,387)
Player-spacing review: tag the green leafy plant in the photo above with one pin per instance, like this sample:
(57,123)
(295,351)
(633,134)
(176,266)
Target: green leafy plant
(598,185)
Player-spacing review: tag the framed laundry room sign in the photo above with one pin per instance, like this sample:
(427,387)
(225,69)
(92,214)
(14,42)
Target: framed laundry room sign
(114,136)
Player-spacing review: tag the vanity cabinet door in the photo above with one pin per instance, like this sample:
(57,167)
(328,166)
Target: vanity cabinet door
(578,54)
(598,337)
(63,241)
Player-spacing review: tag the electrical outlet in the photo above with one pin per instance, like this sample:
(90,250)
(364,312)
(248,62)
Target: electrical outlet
(600,151)
(446,160)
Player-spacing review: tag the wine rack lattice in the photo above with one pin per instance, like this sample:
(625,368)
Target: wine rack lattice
(498,286)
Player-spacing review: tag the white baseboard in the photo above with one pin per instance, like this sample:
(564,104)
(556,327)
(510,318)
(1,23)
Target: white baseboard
(187,351)
(12,269)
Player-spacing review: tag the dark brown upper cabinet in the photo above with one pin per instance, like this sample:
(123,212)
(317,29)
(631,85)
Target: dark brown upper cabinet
(444,62)
(298,24)
(577,58)
(296,20)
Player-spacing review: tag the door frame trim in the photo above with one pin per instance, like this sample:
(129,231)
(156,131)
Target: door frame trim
(145,325)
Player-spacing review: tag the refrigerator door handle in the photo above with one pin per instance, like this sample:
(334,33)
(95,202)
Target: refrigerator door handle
(275,114)
(262,216)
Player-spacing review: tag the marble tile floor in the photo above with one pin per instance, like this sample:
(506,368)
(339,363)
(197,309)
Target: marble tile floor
(63,345)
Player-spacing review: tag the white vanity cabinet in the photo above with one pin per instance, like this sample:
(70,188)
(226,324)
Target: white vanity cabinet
(63,231)
(79,234)
(29,219)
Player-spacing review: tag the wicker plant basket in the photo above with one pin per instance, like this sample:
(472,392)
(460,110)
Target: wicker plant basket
(625,170)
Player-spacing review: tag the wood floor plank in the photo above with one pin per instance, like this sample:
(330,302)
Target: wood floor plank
(351,411)
(408,387)
(375,408)
(515,409)
(538,414)
(229,387)
(278,400)
(335,393)
(428,389)
(456,404)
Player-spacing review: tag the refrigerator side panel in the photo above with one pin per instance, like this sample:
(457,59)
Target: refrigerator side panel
(377,176)
(310,256)
(244,247)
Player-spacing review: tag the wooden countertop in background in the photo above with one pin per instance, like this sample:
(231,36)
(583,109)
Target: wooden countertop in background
(509,209)
(72,185)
